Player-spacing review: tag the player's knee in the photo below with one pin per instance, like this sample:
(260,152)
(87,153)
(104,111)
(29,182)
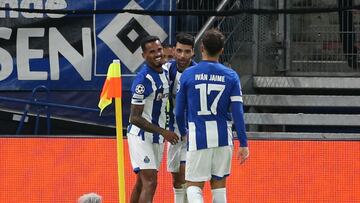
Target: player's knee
(150,184)
(138,187)
(178,180)
(176,183)
(218,183)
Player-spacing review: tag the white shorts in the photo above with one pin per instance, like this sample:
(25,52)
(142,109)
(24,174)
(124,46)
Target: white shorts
(205,164)
(176,154)
(144,155)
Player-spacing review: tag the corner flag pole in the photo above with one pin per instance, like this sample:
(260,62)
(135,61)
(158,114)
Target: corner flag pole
(120,144)
(112,88)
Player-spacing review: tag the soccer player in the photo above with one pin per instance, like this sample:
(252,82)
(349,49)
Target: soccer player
(208,91)
(176,154)
(146,131)
(168,52)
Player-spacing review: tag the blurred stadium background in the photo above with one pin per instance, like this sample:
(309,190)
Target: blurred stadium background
(297,60)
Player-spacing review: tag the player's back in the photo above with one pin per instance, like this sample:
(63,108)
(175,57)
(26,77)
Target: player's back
(208,88)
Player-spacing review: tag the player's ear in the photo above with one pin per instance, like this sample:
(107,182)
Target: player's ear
(222,51)
(143,55)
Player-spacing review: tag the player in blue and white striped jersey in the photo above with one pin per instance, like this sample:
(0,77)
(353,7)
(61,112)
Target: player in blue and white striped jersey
(176,154)
(151,89)
(146,133)
(208,91)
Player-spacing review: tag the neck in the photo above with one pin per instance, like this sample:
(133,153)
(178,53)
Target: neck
(157,69)
(180,69)
(210,58)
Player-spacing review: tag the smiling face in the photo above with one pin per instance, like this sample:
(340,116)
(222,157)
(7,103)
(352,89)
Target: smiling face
(153,54)
(183,55)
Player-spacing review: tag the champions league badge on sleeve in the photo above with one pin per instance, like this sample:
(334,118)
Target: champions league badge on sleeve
(140,89)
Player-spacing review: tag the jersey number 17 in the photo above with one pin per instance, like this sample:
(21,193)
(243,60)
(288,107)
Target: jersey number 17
(205,90)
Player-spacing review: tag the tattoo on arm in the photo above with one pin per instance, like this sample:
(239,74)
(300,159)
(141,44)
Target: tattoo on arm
(137,119)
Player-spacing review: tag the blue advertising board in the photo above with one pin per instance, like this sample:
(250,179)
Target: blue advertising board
(70,53)
(73,52)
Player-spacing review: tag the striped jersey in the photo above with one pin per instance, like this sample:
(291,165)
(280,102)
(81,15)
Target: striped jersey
(174,77)
(207,91)
(150,89)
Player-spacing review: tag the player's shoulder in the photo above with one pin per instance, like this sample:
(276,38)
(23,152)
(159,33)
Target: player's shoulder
(230,72)
(192,66)
(192,63)
(188,71)
(143,69)
(142,73)
(168,66)
(193,69)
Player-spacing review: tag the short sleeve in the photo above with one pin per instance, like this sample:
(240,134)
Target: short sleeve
(140,89)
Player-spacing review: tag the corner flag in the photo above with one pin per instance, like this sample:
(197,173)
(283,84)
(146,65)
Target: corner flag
(112,89)
(112,86)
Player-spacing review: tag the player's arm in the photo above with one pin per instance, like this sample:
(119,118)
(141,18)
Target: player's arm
(237,112)
(238,119)
(137,119)
(180,107)
(141,89)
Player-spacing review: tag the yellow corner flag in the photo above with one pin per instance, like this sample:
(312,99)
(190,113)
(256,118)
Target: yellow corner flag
(112,89)
(112,86)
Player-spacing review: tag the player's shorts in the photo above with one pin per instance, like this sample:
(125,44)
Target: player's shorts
(176,154)
(205,164)
(144,155)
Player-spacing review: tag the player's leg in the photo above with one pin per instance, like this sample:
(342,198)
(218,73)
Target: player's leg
(135,194)
(134,158)
(179,185)
(198,170)
(218,190)
(176,166)
(181,176)
(177,171)
(145,158)
(194,192)
(221,166)
(178,178)
(149,176)
(149,183)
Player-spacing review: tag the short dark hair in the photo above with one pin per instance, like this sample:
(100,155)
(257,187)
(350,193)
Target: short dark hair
(185,38)
(148,39)
(213,41)
(165,45)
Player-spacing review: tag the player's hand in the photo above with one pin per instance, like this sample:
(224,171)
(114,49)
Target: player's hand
(243,154)
(184,138)
(170,136)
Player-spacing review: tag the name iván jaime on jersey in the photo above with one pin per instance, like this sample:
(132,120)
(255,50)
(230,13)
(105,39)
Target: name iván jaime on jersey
(217,78)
